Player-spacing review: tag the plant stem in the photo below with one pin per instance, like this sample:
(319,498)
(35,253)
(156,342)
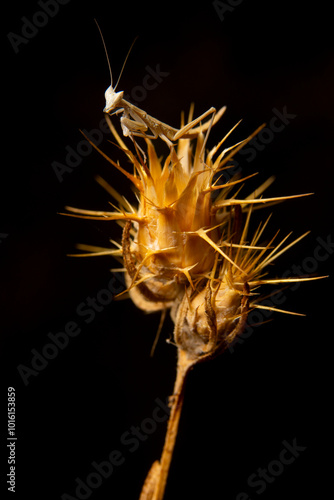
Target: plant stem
(155,484)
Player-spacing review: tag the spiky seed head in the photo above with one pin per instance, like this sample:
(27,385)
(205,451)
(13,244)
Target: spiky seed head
(182,250)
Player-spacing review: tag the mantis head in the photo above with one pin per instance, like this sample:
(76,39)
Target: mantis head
(113,99)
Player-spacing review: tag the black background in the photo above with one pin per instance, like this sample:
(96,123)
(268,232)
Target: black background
(241,406)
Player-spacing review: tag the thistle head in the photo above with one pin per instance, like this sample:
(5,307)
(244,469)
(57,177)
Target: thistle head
(186,251)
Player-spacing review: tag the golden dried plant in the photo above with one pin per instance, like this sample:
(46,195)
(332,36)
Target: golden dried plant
(190,252)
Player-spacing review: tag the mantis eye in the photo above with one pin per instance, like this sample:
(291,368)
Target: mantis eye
(108,92)
(119,96)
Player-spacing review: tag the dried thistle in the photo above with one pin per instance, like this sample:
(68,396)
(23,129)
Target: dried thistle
(184,251)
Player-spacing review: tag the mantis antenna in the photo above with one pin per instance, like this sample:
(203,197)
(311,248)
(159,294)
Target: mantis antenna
(127,55)
(105,49)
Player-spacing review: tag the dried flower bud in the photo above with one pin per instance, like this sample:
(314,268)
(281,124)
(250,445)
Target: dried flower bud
(208,321)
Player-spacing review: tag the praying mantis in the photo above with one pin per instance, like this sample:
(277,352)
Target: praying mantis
(136,122)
